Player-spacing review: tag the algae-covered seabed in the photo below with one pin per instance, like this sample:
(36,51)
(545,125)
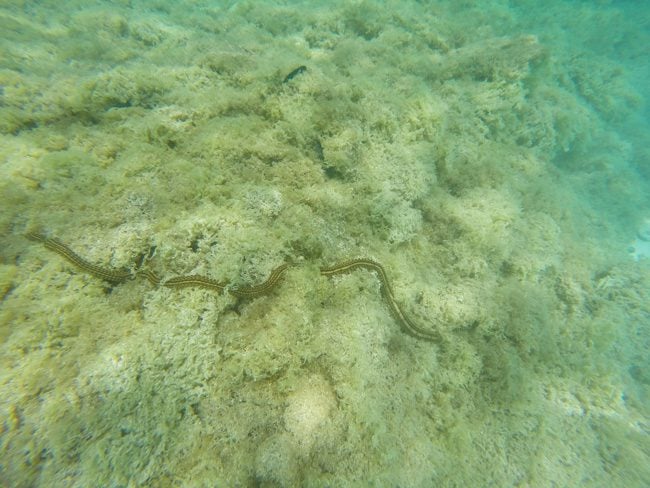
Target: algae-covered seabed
(492,160)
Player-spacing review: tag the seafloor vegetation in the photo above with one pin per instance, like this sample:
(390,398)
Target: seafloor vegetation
(491,159)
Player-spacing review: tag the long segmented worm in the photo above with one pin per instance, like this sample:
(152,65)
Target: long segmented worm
(387,292)
(262,288)
(194,280)
(120,276)
(111,275)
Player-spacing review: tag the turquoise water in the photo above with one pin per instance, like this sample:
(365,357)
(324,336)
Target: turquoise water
(459,190)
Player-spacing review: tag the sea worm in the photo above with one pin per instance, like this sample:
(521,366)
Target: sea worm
(387,292)
(261,289)
(116,276)
(107,274)
(152,277)
(194,280)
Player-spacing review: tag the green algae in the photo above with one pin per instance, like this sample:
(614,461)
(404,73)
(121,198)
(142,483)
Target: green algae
(455,150)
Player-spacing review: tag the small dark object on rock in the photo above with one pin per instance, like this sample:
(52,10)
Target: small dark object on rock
(294,73)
